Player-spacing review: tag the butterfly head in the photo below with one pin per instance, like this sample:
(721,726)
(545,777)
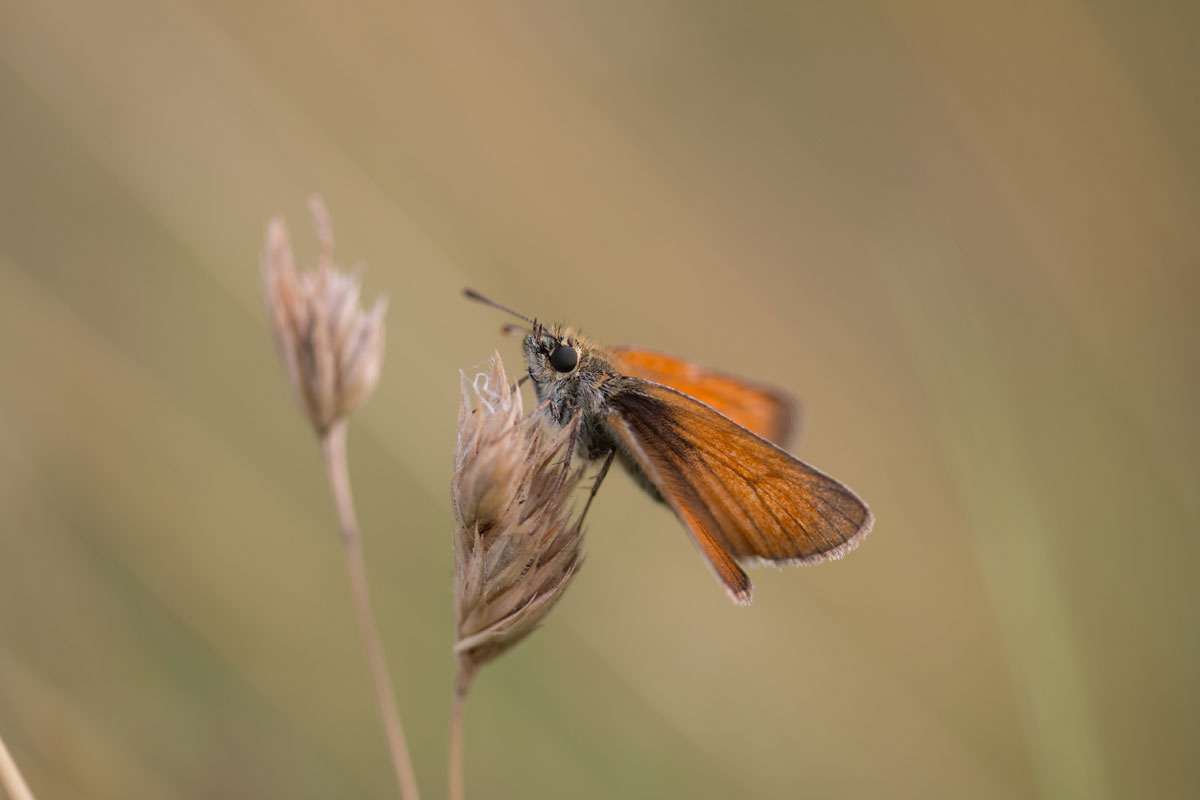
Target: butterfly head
(568,372)
(555,354)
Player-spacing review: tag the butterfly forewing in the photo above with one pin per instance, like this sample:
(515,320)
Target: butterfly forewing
(765,411)
(742,498)
(677,491)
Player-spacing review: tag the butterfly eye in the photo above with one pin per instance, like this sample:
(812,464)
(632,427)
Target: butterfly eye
(564,358)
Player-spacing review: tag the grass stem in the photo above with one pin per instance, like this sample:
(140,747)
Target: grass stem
(10,777)
(333,447)
(457,783)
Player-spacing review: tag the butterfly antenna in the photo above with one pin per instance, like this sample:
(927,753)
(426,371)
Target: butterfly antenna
(471,294)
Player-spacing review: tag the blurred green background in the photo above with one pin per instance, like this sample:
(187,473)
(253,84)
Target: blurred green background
(965,237)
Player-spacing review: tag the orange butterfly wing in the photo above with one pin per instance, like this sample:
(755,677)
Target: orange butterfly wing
(767,412)
(741,497)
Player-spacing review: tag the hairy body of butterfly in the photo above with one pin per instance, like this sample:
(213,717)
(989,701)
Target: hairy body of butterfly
(701,442)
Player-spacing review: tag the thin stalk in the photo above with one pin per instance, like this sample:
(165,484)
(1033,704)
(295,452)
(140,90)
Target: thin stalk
(10,777)
(457,784)
(456,790)
(333,447)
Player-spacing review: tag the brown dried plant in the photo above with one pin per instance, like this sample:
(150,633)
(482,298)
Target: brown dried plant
(332,348)
(333,351)
(517,543)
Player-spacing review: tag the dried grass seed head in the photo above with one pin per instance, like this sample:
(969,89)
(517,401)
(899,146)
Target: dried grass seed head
(518,542)
(332,347)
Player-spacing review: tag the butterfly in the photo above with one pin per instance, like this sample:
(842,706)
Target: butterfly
(705,443)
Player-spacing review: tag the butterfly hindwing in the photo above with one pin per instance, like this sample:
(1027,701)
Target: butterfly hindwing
(765,411)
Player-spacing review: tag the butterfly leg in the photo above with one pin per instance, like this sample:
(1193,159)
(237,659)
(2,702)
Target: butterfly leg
(572,444)
(599,480)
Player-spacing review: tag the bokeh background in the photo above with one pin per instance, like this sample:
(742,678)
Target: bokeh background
(965,237)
